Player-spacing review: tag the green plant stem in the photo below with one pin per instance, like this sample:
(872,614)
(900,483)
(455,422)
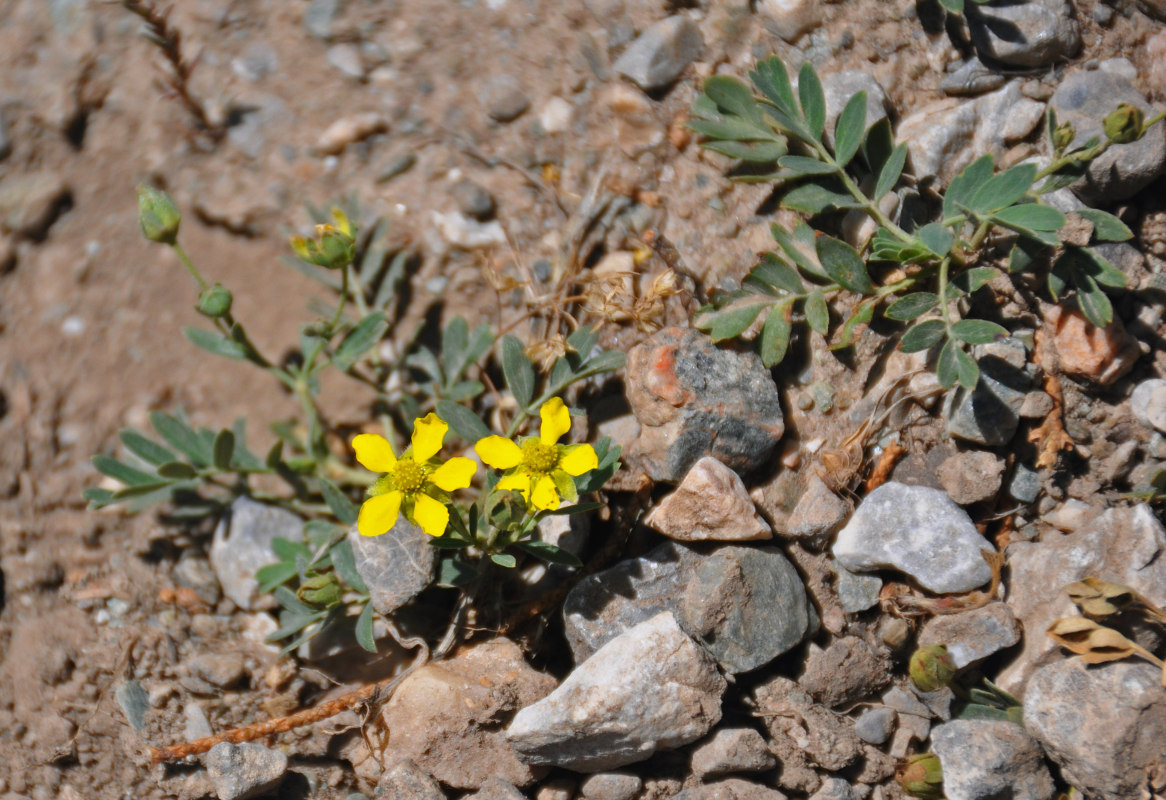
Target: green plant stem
(870,206)
(943,267)
(190,267)
(343,299)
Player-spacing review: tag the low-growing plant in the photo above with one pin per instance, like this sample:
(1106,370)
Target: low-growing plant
(477,523)
(924,273)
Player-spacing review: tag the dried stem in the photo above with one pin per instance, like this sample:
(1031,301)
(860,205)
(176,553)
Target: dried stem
(168,39)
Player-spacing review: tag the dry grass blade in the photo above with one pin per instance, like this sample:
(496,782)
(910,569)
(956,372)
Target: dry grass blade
(1097,644)
(1098,599)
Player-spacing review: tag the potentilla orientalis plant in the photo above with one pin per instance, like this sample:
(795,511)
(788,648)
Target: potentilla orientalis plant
(477,521)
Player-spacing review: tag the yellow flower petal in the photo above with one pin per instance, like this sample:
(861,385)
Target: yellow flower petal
(427,435)
(430,515)
(545,497)
(556,420)
(379,514)
(374,452)
(454,474)
(498,452)
(516,483)
(577,460)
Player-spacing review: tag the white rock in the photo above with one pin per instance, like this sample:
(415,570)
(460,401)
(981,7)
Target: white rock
(1148,402)
(555,115)
(984,759)
(789,19)
(711,503)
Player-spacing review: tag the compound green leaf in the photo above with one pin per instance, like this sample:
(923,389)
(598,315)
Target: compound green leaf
(733,96)
(954,365)
(753,152)
(360,339)
(518,371)
(911,306)
(1003,190)
(772,80)
(181,437)
(890,172)
(965,185)
(339,504)
(807,166)
(849,129)
(817,313)
(214,342)
(1030,217)
(122,472)
(813,100)
(816,197)
(844,265)
(936,238)
(1106,227)
(146,449)
(776,273)
(923,335)
(731,322)
(977,331)
(798,244)
(775,333)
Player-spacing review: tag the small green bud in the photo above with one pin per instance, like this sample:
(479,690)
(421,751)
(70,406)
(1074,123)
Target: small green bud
(158,215)
(1125,124)
(215,302)
(921,776)
(931,668)
(1063,136)
(322,591)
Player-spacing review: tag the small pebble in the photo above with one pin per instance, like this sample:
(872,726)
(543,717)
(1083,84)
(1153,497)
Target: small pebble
(503,98)
(473,200)
(875,725)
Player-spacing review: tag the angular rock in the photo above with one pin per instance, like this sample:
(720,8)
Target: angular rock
(789,19)
(407,781)
(1123,545)
(240,771)
(1033,33)
(472,199)
(694,399)
(971,78)
(987,759)
(1025,484)
(836,789)
(659,54)
(1085,99)
(445,717)
(972,477)
(918,531)
(242,546)
(875,725)
(395,566)
(1148,403)
(846,670)
(223,671)
(729,789)
(944,137)
(650,689)
(31,202)
(732,750)
(496,789)
(972,635)
(1103,725)
(856,592)
(804,733)
(503,98)
(819,512)
(989,414)
(710,504)
(610,786)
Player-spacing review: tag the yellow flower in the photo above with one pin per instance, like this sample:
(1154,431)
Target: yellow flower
(416,483)
(540,468)
(334,246)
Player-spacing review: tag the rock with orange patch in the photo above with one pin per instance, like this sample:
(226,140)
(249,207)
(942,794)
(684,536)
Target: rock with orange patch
(1100,354)
(695,399)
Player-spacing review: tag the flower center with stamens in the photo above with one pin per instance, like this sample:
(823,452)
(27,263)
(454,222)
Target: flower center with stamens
(540,458)
(409,476)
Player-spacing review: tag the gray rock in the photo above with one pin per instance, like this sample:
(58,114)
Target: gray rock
(1123,545)
(659,54)
(650,689)
(986,759)
(395,566)
(1148,403)
(407,781)
(875,725)
(846,670)
(819,512)
(944,137)
(610,786)
(972,476)
(710,504)
(731,750)
(972,635)
(729,789)
(1120,67)
(905,702)
(989,414)
(839,87)
(1025,484)
(223,671)
(5,139)
(194,572)
(836,789)
(693,399)
(1085,99)
(1036,405)
(319,16)
(257,61)
(242,546)
(1034,33)
(971,78)
(134,703)
(856,592)
(195,722)
(789,19)
(346,58)
(472,200)
(803,733)
(496,789)
(240,771)
(31,202)
(503,98)
(1103,725)
(918,531)
(465,233)
(262,115)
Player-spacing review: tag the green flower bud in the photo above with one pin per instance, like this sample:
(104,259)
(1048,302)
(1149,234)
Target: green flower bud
(158,215)
(921,776)
(1063,136)
(322,591)
(1125,124)
(931,668)
(215,302)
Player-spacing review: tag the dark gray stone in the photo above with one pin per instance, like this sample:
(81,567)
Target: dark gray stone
(856,592)
(242,546)
(134,703)
(319,16)
(989,414)
(1025,485)
(875,725)
(693,399)
(651,688)
(503,98)
(1085,99)
(395,566)
(658,56)
(1103,725)
(989,759)
(240,771)
(918,531)
(473,200)
(1032,33)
